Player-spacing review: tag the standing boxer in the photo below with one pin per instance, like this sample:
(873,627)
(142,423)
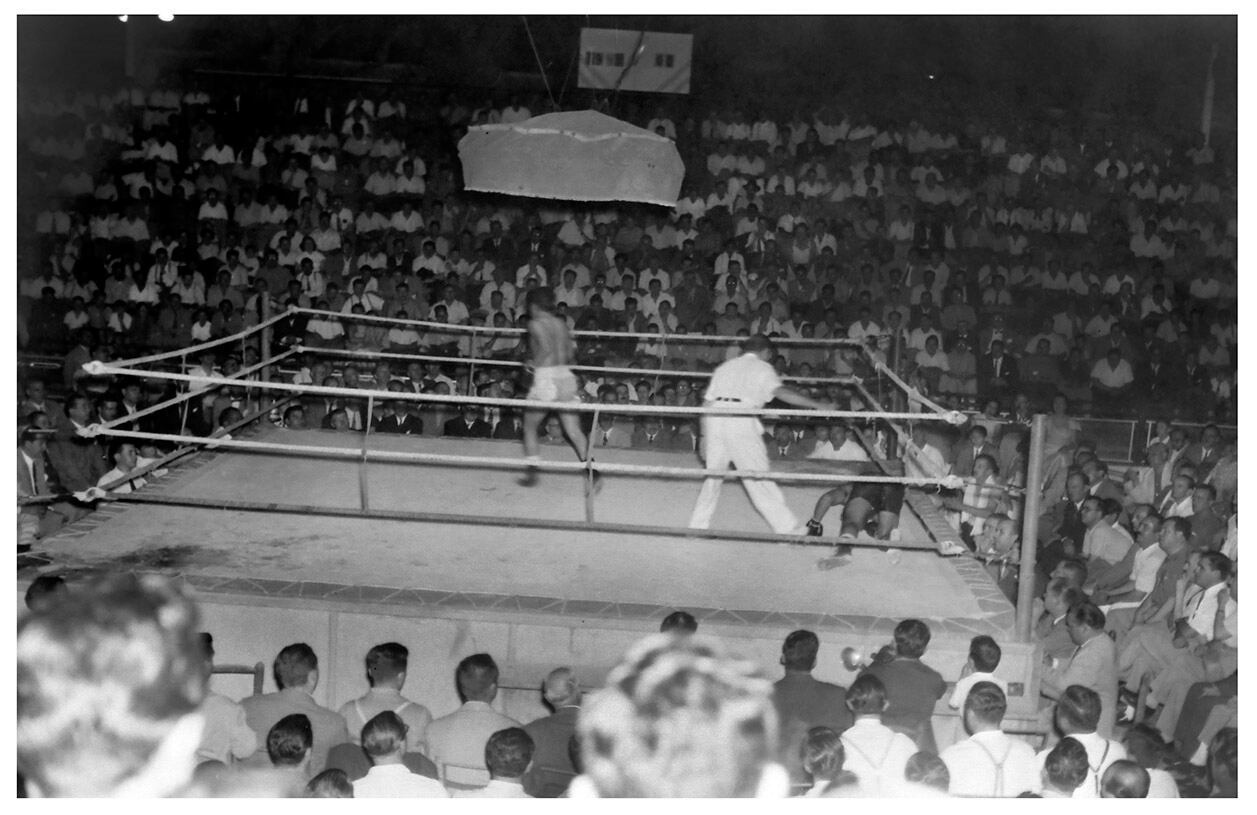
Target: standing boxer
(550,351)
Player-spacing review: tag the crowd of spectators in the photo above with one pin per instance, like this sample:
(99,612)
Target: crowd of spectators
(113,700)
(984,261)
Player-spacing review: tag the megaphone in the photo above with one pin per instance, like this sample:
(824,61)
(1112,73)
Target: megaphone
(852,659)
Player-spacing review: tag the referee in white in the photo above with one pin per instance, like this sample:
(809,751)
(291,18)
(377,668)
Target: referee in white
(747,381)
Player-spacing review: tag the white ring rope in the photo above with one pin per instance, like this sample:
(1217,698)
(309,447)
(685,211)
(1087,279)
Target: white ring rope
(355,453)
(183,396)
(191,349)
(912,392)
(97,368)
(644,373)
(839,342)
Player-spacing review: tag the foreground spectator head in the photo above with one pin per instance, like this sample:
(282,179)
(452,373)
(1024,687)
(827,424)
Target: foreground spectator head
(1124,779)
(386,665)
(44,591)
(798,652)
(680,718)
(928,769)
(296,666)
(911,638)
(984,654)
(384,737)
(561,688)
(477,678)
(289,741)
(1084,621)
(508,753)
(109,683)
(1065,767)
(679,622)
(866,696)
(330,784)
(823,756)
(1078,710)
(985,707)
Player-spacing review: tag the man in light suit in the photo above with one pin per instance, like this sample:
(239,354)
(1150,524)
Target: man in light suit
(1093,664)
(296,670)
(456,742)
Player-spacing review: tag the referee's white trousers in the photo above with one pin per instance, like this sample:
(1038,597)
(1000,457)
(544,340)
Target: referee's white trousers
(737,440)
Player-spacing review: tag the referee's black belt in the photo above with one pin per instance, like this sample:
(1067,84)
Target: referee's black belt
(727,399)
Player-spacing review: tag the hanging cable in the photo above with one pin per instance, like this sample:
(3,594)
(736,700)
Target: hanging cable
(540,67)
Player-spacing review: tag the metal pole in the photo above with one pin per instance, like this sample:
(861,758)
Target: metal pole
(265,355)
(362,464)
(183,418)
(589,470)
(1030,527)
(471,372)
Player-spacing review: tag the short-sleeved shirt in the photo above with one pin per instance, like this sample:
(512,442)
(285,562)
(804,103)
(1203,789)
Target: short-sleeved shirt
(1113,377)
(1144,570)
(747,379)
(1106,543)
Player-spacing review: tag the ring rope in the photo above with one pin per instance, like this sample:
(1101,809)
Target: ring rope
(840,342)
(912,392)
(192,444)
(951,481)
(643,372)
(584,527)
(191,349)
(96,368)
(182,396)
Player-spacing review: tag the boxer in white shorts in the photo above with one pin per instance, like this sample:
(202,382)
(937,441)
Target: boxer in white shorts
(550,350)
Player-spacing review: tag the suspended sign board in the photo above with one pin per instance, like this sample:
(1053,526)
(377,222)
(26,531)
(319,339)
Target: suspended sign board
(647,61)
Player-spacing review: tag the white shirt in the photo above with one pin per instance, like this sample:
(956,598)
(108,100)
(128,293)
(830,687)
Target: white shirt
(747,379)
(396,781)
(1144,570)
(497,788)
(991,764)
(966,683)
(877,754)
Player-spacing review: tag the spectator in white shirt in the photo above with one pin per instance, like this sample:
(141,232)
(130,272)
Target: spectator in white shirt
(384,742)
(1078,716)
(875,753)
(990,763)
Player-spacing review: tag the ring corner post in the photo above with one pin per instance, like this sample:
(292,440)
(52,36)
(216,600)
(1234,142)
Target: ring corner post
(1030,528)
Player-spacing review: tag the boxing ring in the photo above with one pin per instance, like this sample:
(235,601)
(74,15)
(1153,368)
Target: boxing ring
(407,526)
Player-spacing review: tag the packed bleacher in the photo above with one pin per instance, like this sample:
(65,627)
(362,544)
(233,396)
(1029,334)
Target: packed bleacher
(159,219)
(113,700)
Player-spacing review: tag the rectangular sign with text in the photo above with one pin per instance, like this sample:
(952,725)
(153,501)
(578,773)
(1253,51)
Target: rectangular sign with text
(647,61)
